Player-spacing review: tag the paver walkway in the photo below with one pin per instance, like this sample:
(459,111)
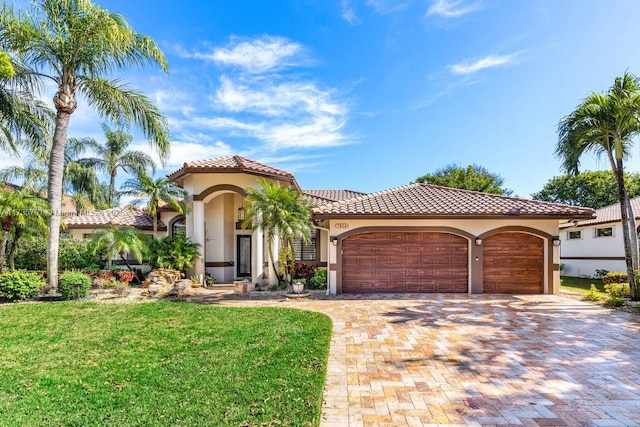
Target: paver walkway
(473,360)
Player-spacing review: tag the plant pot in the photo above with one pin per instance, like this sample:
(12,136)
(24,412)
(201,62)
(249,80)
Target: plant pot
(298,288)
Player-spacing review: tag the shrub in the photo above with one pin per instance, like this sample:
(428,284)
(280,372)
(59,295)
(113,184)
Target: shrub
(592,295)
(74,285)
(614,302)
(304,272)
(615,277)
(319,279)
(174,253)
(20,285)
(618,290)
(125,276)
(31,254)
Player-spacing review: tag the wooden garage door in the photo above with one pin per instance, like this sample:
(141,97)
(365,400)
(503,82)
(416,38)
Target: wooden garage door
(513,263)
(404,262)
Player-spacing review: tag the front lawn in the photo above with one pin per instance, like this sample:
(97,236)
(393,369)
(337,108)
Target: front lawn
(161,364)
(581,285)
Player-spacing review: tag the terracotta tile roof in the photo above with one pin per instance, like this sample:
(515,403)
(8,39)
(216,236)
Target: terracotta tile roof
(322,197)
(231,164)
(435,201)
(607,214)
(121,216)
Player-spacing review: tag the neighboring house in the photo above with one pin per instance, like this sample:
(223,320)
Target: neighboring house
(595,244)
(68,207)
(81,226)
(416,238)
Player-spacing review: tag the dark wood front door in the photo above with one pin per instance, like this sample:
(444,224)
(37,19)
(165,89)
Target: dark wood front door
(243,267)
(405,262)
(513,263)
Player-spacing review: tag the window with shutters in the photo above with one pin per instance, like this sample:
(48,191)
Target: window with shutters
(304,251)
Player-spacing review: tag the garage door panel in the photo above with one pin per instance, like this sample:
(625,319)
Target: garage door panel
(405,262)
(513,263)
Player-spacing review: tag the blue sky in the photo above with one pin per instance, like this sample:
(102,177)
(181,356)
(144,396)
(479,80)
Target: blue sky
(371,94)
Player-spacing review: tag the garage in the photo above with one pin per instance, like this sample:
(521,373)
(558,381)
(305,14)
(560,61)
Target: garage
(513,263)
(405,262)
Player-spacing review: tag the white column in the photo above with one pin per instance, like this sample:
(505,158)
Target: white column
(256,256)
(197,212)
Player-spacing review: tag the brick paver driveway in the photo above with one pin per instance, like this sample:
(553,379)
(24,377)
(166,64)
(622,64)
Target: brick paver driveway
(478,360)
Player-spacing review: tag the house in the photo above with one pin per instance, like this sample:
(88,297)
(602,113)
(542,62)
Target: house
(415,238)
(68,205)
(595,244)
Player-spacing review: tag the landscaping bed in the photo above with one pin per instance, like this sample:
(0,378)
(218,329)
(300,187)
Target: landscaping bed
(162,363)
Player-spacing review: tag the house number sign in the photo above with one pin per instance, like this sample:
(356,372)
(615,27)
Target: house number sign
(341,225)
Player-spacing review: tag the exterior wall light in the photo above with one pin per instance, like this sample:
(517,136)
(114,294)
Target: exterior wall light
(334,241)
(242,214)
(478,241)
(556,241)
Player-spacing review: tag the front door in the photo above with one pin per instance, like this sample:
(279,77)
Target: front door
(244,256)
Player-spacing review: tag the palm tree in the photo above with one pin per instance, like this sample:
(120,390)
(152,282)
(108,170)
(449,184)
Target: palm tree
(79,45)
(155,192)
(117,242)
(19,210)
(280,212)
(605,124)
(113,155)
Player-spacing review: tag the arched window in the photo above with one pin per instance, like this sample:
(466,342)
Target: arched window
(179,228)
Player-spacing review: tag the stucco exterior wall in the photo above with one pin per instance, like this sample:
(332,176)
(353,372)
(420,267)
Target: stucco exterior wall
(582,257)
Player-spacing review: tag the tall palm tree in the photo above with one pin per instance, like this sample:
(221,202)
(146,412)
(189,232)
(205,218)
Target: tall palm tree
(79,45)
(113,155)
(155,192)
(117,242)
(605,124)
(280,212)
(19,210)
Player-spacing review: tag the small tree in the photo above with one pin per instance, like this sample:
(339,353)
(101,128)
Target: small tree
(280,212)
(473,177)
(117,242)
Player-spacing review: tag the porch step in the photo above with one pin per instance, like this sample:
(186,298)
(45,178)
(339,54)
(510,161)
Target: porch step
(221,286)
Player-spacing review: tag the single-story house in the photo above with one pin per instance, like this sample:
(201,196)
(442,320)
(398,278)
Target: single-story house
(415,238)
(596,243)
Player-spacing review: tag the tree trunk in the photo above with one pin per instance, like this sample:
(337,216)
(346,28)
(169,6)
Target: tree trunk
(112,189)
(12,249)
(3,248)
(633,231)
(628,252)
(54,193)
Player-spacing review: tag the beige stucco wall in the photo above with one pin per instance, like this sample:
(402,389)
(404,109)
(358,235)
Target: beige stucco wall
(471,228)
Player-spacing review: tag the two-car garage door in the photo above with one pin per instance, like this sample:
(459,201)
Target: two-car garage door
(405,262)
(439,262)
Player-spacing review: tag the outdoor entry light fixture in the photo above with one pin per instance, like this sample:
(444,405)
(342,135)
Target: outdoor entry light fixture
(242,214)
(556,241)
(478,241)
(334,241)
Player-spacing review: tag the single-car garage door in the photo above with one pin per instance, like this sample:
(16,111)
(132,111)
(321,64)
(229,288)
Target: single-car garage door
(405,262)
(513,263)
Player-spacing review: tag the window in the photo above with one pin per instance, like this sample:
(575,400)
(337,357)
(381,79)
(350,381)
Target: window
(304,251)
(577,234)
(604,232)
(86,235)
(179,228)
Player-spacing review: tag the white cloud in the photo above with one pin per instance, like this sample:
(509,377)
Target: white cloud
(182,151)
(451,8)
(173,101)
(348,14)
(384,7)
(266,98)
(255,56)
(480,64)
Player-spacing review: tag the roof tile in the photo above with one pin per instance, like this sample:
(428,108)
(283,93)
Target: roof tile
(121,216)
(607,214)
(431,200)
(228,163)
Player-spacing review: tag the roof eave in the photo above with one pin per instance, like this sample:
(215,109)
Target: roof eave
(451,216)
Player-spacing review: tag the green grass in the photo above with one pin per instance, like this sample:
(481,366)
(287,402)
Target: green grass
(160,364)
(581,285)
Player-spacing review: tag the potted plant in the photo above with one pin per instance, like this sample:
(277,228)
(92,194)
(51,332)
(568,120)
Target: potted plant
(298,287)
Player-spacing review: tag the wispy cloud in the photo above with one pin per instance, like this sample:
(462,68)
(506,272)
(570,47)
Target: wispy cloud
(452,8)
(186,151)
(385,7)
(255,56)
(490,61)
(348,14)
